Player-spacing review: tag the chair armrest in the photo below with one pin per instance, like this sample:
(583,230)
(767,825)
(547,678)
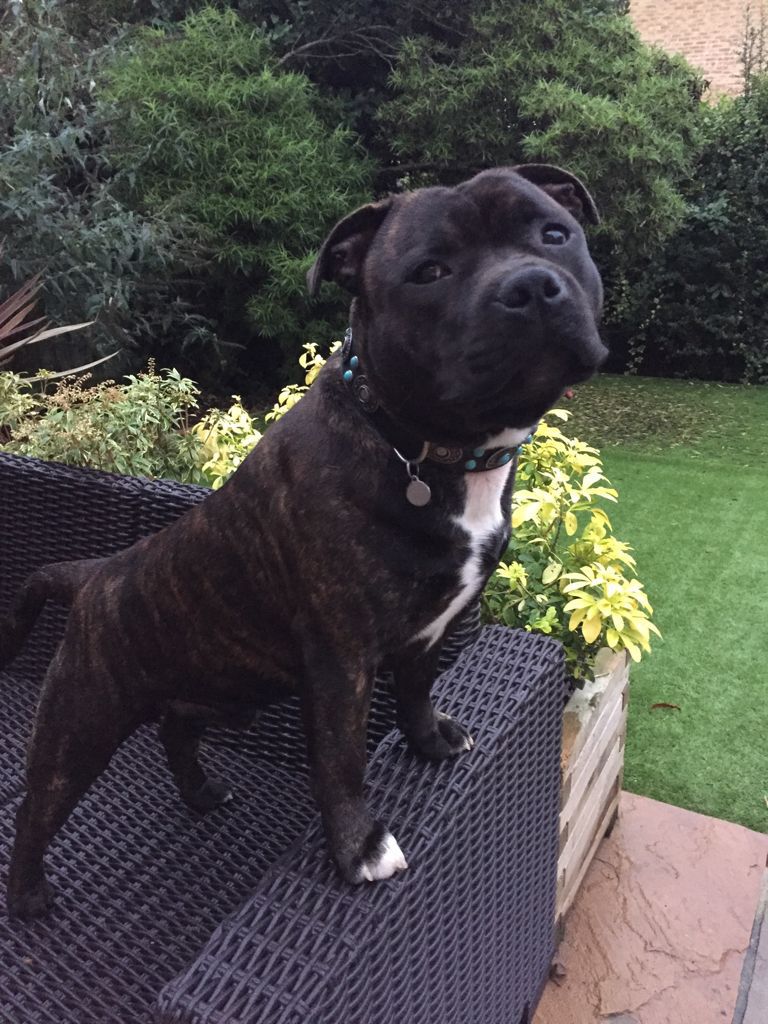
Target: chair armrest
(467,933)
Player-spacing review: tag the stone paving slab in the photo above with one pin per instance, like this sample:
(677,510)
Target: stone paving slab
(659,931)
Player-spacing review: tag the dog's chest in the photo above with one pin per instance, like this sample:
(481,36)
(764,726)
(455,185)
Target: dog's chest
(481,524)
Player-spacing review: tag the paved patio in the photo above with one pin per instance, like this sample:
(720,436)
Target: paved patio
(659,931)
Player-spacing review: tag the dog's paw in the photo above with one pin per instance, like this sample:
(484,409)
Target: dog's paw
(384,861)
(447,739)
(379,858)
(212,794)
(34,902)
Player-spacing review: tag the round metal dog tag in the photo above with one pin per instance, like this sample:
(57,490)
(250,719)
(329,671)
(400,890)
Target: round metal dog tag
(418,493)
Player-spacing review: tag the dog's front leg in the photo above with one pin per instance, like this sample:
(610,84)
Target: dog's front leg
(335,703)
(429,732)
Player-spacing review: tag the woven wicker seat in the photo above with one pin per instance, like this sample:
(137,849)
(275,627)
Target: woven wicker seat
(239,917)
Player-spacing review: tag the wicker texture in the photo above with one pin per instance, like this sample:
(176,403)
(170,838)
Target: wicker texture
(464,936)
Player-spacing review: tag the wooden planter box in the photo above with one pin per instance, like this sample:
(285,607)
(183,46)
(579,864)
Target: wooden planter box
(592,765)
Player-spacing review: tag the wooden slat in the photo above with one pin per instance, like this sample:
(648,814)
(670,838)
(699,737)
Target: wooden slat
(574,746)
(591,809)
(606,729)
(595,735)
(593,767)
(567,892)
(576,815)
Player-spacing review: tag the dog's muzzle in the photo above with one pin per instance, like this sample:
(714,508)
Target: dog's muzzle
(539,298)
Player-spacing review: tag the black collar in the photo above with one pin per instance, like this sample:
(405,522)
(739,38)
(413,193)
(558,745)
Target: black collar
(410,449)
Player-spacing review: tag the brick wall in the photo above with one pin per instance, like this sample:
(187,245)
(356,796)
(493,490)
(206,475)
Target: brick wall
(708,32)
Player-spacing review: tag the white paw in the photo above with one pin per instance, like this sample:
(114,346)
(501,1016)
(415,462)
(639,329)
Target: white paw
(387,862)
(467,742)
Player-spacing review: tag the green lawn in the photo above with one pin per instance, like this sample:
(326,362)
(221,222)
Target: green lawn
(690,462)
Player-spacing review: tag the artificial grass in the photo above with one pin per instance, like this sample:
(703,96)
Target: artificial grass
(687,460)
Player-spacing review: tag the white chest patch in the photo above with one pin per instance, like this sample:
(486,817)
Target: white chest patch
(481,518)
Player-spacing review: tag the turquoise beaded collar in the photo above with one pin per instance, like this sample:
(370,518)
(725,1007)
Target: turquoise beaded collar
(465,460)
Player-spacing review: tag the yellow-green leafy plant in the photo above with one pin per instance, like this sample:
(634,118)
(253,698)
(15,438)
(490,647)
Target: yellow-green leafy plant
(17,402)
(312,362)
(226,436)
(564,573)
(141,427)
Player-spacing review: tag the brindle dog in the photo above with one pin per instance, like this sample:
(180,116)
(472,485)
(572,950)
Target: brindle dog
(351,537)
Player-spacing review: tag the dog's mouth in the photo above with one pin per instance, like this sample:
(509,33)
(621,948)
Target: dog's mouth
(493,382)
(489,399)
(580,370)
(570,360)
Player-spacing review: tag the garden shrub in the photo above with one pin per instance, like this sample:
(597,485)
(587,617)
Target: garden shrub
(564,573)
(347,47)
(61,213)
(96,18)
(248,154)
(140,428)
(705,312)
(563,83)
(227,436)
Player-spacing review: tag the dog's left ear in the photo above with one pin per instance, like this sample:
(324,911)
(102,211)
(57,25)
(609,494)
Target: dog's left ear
(564,187)
(342,253)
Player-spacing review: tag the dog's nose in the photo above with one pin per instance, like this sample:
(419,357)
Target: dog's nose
(531,287)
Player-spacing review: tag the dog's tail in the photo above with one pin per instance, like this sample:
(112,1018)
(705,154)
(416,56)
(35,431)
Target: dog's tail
(59,581)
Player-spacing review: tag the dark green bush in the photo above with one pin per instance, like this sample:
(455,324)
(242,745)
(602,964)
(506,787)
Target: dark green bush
(564,83)
(183,218)
(94,18)
(706,306)
(60,210)
(348,47)
(248,154)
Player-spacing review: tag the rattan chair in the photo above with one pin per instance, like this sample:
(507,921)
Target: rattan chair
(238,917)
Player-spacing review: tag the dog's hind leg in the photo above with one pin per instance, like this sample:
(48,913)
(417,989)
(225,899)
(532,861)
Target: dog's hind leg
(180,734)
(70,746)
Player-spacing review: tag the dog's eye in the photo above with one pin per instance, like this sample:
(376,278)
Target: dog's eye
(429,272)
(555,234)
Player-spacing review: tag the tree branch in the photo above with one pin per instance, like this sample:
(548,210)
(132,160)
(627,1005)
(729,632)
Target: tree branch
(376,39)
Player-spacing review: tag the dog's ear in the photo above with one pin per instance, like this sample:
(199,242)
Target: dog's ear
(342,253)
(564,187)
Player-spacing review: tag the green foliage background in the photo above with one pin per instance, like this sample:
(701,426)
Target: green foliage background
(706,302)
(61,213)
(255,161)
(559,84)
(172,167)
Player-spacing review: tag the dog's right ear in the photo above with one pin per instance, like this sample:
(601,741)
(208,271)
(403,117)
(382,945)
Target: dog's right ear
(342,253)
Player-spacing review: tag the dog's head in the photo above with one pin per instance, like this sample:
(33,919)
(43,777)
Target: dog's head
(475,306)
